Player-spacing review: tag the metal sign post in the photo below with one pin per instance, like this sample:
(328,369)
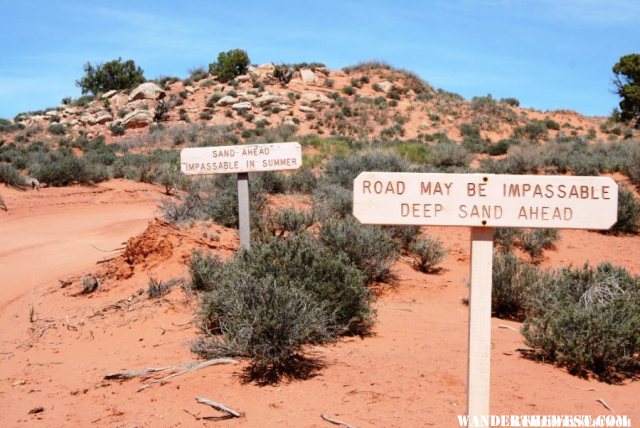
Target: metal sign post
(483,202)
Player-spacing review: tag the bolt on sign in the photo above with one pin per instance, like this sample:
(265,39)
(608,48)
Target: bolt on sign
(483,202)
(241,160)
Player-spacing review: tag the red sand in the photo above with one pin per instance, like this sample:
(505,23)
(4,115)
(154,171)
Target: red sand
(410,373)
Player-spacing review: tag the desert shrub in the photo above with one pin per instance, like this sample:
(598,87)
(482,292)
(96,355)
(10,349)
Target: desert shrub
(342,170)
(427,253)
(267,315)
(403,235)
(114,74)
(230,64)
(632,165)
(198,73)
(281,223)
(271,182)
(348,90)
(587,319)
(204,270)
(414,152)
(8,126)
(332,200)
(370,248)
(535,241)
(628,213)
(513,102)
(446,155)
(511,281)
(64,169)
(302,180)
(10,176)
(57,129)
(157,288)
(283,73)
(117,129)
(521,159)
(500,148)
(218,203)
(506,238)
(552,124)
(535,131)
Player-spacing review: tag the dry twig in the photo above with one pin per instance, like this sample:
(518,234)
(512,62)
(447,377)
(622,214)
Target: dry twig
(335,421)
(219,407)
(606,406)
(189,367)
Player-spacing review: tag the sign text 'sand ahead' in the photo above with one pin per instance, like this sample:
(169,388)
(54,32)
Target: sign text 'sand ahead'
(237,159)
(485,200)
(241,160)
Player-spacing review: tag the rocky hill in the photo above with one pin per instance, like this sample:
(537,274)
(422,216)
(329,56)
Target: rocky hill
(366,102)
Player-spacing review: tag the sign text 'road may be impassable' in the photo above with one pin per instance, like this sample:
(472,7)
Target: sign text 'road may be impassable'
(485,200)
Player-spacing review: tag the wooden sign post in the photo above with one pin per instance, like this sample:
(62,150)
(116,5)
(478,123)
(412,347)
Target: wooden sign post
(482,202)
(241,160)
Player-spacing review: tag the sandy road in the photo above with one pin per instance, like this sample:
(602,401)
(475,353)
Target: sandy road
(53,233)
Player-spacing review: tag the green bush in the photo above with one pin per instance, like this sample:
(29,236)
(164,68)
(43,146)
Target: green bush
(342,170)
(535,241)
(267,314)
(204,271)
(117,129)
(57,129)
(370,248)
(115,74)
(628,213)
(11,176)
(64,169)
(230,64)
(427,253)
(511,281)
(587,320)
(218,203)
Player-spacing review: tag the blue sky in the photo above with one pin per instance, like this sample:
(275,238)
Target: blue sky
(549,54)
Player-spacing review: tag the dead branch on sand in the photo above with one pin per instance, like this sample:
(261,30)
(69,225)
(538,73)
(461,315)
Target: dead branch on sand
(219,407)
(183,368)
(606,406)
(335,421)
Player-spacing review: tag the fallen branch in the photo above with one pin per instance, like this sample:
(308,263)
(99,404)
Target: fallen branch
(507,327)
(219,407)
(183,368)
(335,421)
(606,406)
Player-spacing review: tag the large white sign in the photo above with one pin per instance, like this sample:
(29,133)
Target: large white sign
(244,158)
(485,200)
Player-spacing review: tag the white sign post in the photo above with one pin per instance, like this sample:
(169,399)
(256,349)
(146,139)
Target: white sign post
(484,201)
(241,160)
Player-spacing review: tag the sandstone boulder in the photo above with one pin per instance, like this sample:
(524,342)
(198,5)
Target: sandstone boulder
(314,97)
(147,91)
(245,105)
(307,76)
(227,100)
(103,118)
(267,99)
(385,85)
(137,119)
